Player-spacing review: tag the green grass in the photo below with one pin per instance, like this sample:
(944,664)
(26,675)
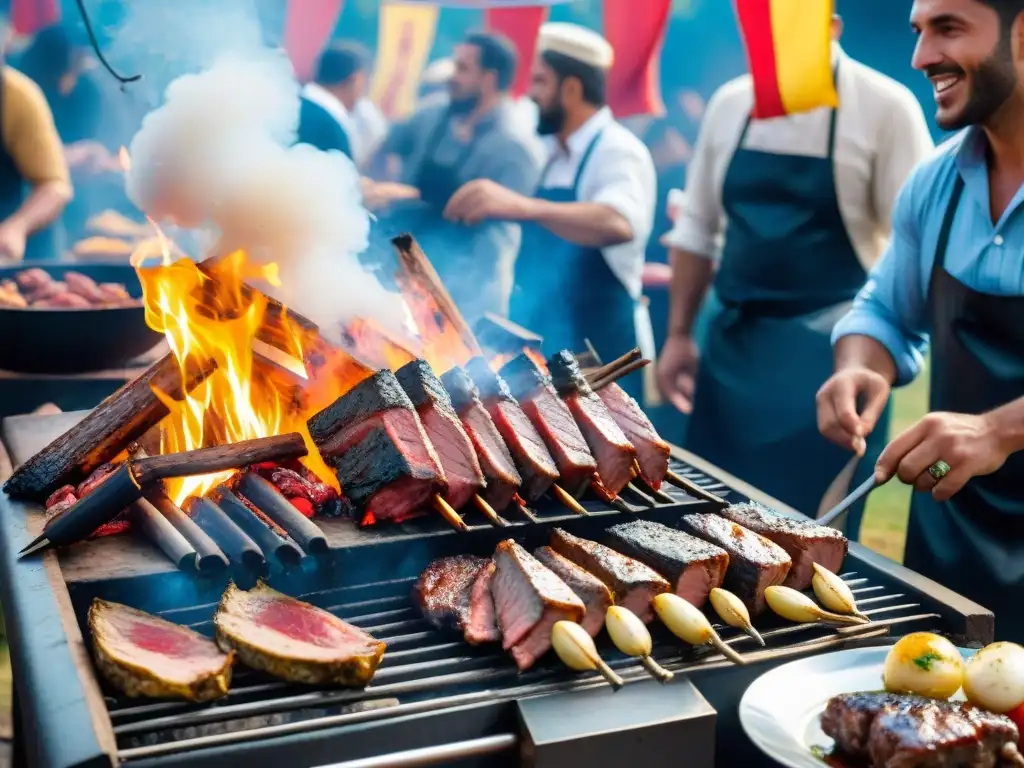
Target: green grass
(885,518)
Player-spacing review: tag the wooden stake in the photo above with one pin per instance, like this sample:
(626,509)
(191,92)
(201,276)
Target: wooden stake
(566,498)
(614,365)
(618,373)
(525,511)
(488,510)
(655,669)
(693,489)
(449,514)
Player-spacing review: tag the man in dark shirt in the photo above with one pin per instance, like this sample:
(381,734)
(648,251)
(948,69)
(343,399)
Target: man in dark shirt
(318,128)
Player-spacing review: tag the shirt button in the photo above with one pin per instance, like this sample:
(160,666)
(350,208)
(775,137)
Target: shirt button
(998,240)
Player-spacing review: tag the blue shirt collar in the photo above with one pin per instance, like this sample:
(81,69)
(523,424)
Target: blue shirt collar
(971,160)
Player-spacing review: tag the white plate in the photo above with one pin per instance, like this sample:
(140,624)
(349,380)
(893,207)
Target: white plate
(781,710)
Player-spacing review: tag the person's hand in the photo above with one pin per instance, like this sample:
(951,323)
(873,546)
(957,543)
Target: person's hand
(970,445)
(677,371)
(482,199)
(378,194)
(12,241)
(838,419)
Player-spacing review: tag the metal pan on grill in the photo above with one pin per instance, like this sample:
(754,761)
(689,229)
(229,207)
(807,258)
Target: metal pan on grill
(62,340)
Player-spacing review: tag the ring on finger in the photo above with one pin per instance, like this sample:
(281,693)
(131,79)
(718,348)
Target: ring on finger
(939,469)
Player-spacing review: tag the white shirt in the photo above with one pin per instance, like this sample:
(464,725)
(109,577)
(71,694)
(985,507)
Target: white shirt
(881,134)
(620,174)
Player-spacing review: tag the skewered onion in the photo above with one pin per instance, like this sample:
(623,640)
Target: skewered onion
(632,638)
(925,664)
(689,624)
(833,592)
(576,649)
(796,606)
(733,612)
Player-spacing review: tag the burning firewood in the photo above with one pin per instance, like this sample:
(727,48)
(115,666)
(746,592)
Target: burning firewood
(133,477)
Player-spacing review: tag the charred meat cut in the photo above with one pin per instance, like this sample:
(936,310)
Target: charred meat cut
(804,542)
(294,640)
(503,479)
(532,458)
(755,563)
(554,422)
(614,454)
(453,593)
(529,600)
(385,463)
(451,443)
(693,566)
(894,731)
(142,655)
(591,590)
(652,452)
(632,583)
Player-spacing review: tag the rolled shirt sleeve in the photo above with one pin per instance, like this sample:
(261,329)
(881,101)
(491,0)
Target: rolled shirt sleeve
(29,134)
(892,307)
(627,183)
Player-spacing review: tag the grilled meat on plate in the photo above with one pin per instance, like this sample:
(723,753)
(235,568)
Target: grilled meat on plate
(143,655)
(453,593)
(591,590)
(554,422)
(532,458)
(374,439)
(294,640)
(451,443)
(529,600)
(755,563)
(693,566)
(632,583)
(615,455)
(652,453)
(503,479)
(804,542)
(895,731)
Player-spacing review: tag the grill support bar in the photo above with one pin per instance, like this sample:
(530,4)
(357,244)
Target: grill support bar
(443,753)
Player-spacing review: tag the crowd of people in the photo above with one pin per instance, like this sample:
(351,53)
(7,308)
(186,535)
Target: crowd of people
(819,251)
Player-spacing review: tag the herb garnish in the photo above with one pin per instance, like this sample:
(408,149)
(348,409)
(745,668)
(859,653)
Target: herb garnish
(926,660)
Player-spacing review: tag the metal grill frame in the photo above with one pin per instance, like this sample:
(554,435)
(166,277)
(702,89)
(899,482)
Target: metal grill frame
(66,713)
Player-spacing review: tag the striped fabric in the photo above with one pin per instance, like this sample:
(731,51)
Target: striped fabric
(788,46)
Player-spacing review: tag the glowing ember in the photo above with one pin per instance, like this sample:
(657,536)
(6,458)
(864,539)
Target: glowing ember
(498,361)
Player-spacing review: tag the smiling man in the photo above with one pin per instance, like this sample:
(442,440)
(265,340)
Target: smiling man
(954,275)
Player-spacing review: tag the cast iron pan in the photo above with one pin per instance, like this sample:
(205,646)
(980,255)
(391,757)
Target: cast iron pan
(75,340)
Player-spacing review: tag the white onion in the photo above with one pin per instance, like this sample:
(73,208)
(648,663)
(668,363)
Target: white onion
(994,678)
(925,664)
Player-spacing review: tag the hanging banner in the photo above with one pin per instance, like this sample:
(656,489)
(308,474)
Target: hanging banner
(29,16)
(308,26)
(489,3)
(521,26)
(405,36)
(789,48)
(636,31)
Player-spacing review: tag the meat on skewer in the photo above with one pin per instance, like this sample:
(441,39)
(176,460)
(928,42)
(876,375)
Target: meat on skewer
(614,453)
(383,457)
(553,421)
(503,479)
(652,452)
(454,593)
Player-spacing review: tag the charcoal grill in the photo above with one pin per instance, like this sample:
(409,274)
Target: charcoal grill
(435,700)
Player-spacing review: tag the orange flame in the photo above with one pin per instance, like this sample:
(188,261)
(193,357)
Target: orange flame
(442,345)
(498,361)
(124,159)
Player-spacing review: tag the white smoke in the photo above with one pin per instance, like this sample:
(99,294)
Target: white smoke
(219,153)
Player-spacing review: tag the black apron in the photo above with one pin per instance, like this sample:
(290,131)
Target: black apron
(974,543)
(788,273)
(47,243)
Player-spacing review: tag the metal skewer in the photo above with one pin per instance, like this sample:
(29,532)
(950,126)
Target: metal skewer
(489,512)
(693,489)
(858,493)
(566,498)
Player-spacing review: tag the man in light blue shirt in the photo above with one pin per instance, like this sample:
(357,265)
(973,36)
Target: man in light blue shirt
(953,276)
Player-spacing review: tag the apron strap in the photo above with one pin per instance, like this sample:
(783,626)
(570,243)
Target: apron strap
(434,141)
(947,221)
(579,171)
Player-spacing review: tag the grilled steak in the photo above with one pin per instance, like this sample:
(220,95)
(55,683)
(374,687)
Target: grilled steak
(554,422)
(499,470)
(804,542)
(384,460)
(591,590)
(142,655)
(614,453)
(652,452)
(632,583)
(895,731)
(755,563)
(529,600)
(532,458)
(452,596)
(293,640)
(693,566)
(450,441)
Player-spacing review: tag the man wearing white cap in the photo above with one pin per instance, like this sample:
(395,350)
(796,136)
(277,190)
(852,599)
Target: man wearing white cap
(578,274)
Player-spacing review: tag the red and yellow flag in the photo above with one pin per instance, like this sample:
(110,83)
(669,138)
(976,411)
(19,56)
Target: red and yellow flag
(789,48)
(404,38)
(521,26)
(308,26)
(29,16)
(636,30)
